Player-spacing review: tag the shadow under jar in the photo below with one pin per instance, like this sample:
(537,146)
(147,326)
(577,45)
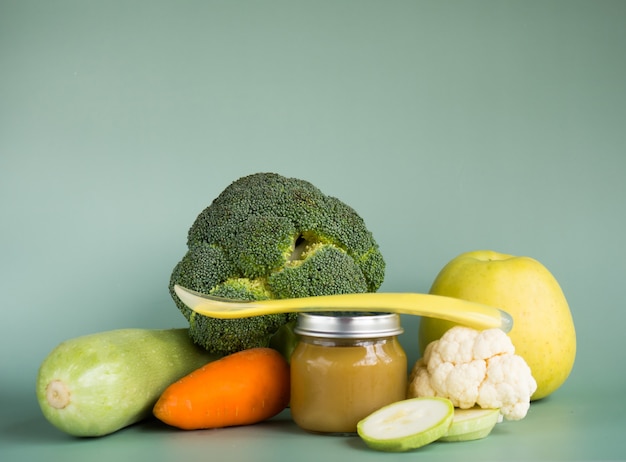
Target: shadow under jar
(344,368)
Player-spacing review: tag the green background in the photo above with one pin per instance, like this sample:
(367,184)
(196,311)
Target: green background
(448,125)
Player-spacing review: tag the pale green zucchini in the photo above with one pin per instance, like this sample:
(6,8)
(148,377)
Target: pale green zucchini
(97,384)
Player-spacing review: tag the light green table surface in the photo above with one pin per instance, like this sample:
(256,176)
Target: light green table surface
(448,125)
(568,426)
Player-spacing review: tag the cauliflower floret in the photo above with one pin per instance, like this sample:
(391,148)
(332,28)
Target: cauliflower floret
(470,368)
(420,380)
(507,386)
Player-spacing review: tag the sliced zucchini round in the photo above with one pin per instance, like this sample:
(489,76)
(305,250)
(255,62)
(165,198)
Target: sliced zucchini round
(472,424)
(407,424)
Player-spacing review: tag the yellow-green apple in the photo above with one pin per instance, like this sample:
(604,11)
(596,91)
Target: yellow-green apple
(543,329)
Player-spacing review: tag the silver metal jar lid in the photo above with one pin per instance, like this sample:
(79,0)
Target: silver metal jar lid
(361,325)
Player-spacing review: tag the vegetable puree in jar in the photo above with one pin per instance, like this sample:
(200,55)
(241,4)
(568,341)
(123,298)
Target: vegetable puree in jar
(344,368)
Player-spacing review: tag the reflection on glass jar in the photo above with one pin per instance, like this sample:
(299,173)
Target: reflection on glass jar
(344,368)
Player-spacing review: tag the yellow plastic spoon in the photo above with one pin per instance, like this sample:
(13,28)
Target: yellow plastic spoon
(470,314)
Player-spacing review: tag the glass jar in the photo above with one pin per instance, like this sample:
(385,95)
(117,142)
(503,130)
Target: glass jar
(344,368)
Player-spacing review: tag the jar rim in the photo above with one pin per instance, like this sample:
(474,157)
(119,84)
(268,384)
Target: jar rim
(343,325)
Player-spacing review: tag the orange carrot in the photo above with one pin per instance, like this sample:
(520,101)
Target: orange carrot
(239,389)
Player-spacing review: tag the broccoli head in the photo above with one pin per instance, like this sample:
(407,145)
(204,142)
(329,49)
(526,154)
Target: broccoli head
(267,236)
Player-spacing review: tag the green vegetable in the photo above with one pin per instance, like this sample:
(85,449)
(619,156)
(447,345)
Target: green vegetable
(472,424)
(267,236)
(97,384)
(407,424)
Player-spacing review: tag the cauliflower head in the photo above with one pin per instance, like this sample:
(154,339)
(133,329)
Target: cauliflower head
(475,368)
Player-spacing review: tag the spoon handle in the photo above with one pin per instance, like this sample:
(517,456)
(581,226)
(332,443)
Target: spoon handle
(463,312)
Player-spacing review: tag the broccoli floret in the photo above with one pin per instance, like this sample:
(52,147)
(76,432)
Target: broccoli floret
(268,236)
(230,335)
(322,269)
